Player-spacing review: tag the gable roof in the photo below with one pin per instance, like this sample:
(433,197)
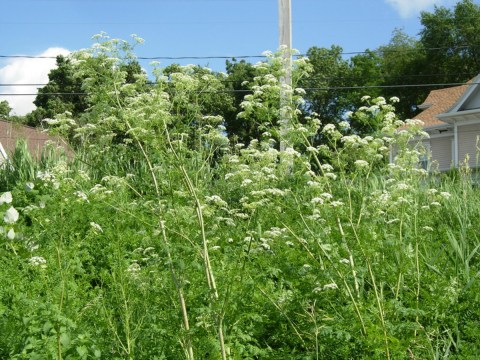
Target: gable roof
(448,100)
(468,99)
(36,139)
(439,102)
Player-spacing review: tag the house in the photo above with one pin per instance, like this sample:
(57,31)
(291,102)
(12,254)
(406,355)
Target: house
(451,117)
(35,139)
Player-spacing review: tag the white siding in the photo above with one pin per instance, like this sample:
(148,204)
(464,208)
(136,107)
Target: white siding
(441,152)
(473,102)
(468,143)
(3,154)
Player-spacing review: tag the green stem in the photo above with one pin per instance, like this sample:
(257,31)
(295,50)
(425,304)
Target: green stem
(345,283)
(206,257)
(181,296)
(375,288)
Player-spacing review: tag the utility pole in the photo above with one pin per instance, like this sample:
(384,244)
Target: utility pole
(285,43)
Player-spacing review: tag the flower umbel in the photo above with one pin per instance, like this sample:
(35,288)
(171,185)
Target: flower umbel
(11,216)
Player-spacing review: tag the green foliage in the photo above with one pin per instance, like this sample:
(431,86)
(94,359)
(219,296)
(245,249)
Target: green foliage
(19,168)
(452,36)
(69,83)
(240,74)
(5,109)
(162,240)
(330,72)
(403,62)
(446,51)
(63,81)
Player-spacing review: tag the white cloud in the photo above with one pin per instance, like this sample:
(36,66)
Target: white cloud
(409,8)
(26,71)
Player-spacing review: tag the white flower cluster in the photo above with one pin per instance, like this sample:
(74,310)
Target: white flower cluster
(327,167)
(329,129)
(326,198)
(10,216)
(275,232)
(48,179)
(331,286)
(344,125)
(216,200)
(361,164)
(134,268)
(414,122)
(38,261)
(81,195)
(6,198)
(96,228)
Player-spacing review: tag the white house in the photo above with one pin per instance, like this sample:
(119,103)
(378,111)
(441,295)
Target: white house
(451,117)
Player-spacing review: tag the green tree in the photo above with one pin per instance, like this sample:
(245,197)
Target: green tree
(196,93)
(403,65)
(240,74)
(65,90)
(447,51)
(5,109)
(451,39)
(336,85)
(67,87)
(210,93)
(331,73)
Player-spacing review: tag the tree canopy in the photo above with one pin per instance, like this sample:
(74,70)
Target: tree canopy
(451,41)
(5,109)
(446,52)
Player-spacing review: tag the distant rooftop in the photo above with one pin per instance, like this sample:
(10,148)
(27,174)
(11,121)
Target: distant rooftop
(36,139)
(439,102)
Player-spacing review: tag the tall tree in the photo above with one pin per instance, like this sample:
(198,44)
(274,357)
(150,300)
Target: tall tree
(330,73)
(65,90)
(451,39)
(404,74)
(62,81)
(197,94)
(5,109)
(337,85)
(240,74)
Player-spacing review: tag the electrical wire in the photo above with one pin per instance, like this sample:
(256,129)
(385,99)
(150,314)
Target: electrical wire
(380,50)
(319,77)
(150,57)
(312,89)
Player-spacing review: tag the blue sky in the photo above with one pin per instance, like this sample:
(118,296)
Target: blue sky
(177,28)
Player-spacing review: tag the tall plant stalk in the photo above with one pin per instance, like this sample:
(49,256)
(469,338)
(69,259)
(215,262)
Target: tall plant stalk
(181,297)
(205,254)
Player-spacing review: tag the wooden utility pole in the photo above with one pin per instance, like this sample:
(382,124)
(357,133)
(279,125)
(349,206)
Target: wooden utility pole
(285,43)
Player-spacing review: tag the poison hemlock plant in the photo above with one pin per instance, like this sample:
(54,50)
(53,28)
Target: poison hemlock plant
(161,239)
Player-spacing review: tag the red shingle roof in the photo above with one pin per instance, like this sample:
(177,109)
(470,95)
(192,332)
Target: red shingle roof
(438,102)
(35,139)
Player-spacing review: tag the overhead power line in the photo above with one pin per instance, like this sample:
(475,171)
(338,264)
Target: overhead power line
(46,94)
(384,50)
(313,78)
(326,88)
(13,85)
(152,57)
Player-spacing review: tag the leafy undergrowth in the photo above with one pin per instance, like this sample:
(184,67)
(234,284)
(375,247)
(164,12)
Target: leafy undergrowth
(160,240)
